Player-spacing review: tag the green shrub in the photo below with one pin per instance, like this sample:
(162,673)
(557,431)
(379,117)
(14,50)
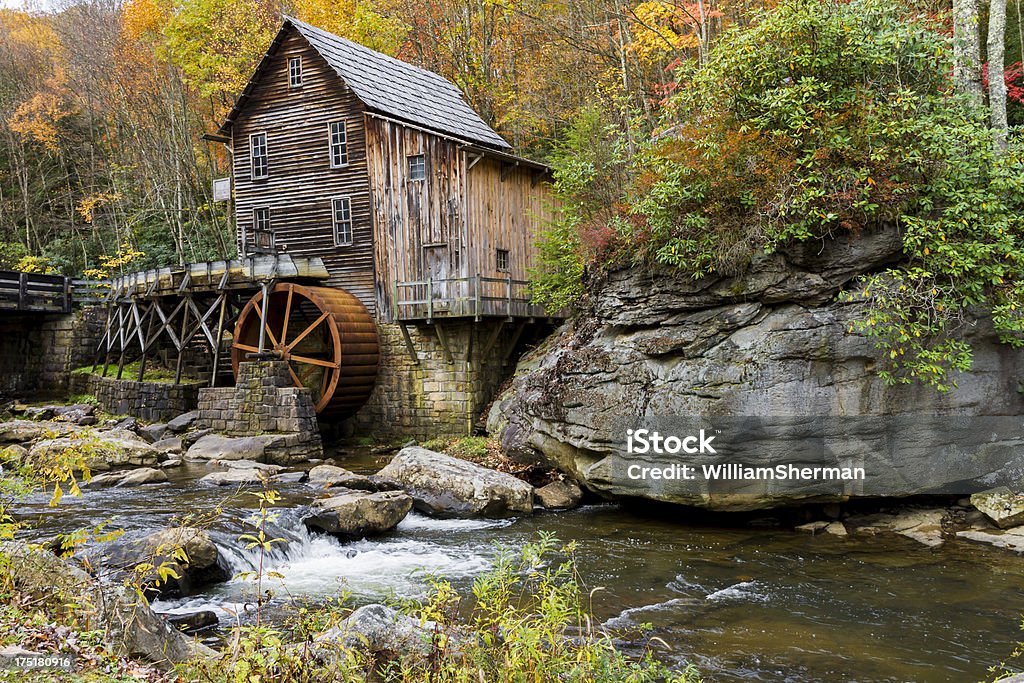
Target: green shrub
(824,119)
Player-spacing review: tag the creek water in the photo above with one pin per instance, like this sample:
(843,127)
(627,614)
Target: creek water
(743,604)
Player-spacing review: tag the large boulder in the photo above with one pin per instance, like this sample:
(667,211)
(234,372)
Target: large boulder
(775,346)
(127,624)
(354,514)
(202,563)
(281,449)
(1001,505)
(449,487)
(101,450)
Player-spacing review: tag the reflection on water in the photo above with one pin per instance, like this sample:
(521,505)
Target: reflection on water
(742,604)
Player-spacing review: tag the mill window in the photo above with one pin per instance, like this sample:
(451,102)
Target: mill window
(503,260)
(341,210)
(258,155)
(417,167)
(339,144)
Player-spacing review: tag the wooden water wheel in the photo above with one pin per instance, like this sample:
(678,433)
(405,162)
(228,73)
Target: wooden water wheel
(326,335)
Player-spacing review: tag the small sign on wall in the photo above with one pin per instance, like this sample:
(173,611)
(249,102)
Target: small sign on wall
(221,189)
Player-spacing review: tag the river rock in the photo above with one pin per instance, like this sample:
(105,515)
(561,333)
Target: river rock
(191,622)
(182,422)
(813,527)
(80,414)
(1009,539)
(137,477)
(385,633)
(770,342)
(355,514)
(269,468)
(15,454)
(24,431)
(235,477)
(449,487)
(1001,505)
(39,412)
(169,446)
(289,477)
(127,624)
(153,433)
(559,495)
(204,564)
(836,529)
(331,475)
(102,450)
(218,447)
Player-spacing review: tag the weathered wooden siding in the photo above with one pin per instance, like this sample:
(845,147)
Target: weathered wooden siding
(451,224)
(504,214)
(301,182)
(419,224)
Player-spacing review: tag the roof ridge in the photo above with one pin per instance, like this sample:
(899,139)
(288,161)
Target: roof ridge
(396,60)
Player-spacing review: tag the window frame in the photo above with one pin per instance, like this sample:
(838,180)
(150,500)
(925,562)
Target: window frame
(499,256)
(292,72)
(256,230)
(265,157)
(347,199)
(423,160)
(344,145)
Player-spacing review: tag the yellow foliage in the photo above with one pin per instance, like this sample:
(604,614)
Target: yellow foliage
(663,28)
(89,204)
(35,264)
(38,118)
(126,255)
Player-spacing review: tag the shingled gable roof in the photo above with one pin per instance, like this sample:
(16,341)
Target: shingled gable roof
(389,86)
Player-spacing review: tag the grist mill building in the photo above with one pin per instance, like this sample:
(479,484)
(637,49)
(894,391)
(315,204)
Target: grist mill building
(420,214)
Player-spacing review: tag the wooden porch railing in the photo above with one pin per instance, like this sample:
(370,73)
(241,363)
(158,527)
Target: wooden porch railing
(474,297)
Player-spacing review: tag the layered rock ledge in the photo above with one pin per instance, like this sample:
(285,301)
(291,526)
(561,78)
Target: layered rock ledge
(773,342)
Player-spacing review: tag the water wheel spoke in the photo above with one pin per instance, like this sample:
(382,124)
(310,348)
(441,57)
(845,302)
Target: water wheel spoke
(305,332)
(314,361)
(266,325)
(295,378)
(287,315)
(246,347)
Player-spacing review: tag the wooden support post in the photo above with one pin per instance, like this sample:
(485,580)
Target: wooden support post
(430,300)
(442,337)
(508,297)
(146,344)
(476,302)
(490,342)
(512,343)
(22,291)
(68,300)
(220,338)
(394,301)
(408,343)
(181,347)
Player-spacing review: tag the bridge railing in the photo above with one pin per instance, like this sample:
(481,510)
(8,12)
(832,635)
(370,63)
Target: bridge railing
(34,292)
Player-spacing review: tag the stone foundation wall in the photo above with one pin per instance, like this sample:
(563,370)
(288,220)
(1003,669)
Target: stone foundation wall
(150,401)
(435,397)
(264,401)
(37,353)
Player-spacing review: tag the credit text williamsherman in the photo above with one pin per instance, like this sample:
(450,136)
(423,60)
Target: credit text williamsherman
(734,471)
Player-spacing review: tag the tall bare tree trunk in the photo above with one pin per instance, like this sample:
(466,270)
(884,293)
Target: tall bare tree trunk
(967,49)
(996,80)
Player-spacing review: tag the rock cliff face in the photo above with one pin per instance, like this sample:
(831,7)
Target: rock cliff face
(773,342)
